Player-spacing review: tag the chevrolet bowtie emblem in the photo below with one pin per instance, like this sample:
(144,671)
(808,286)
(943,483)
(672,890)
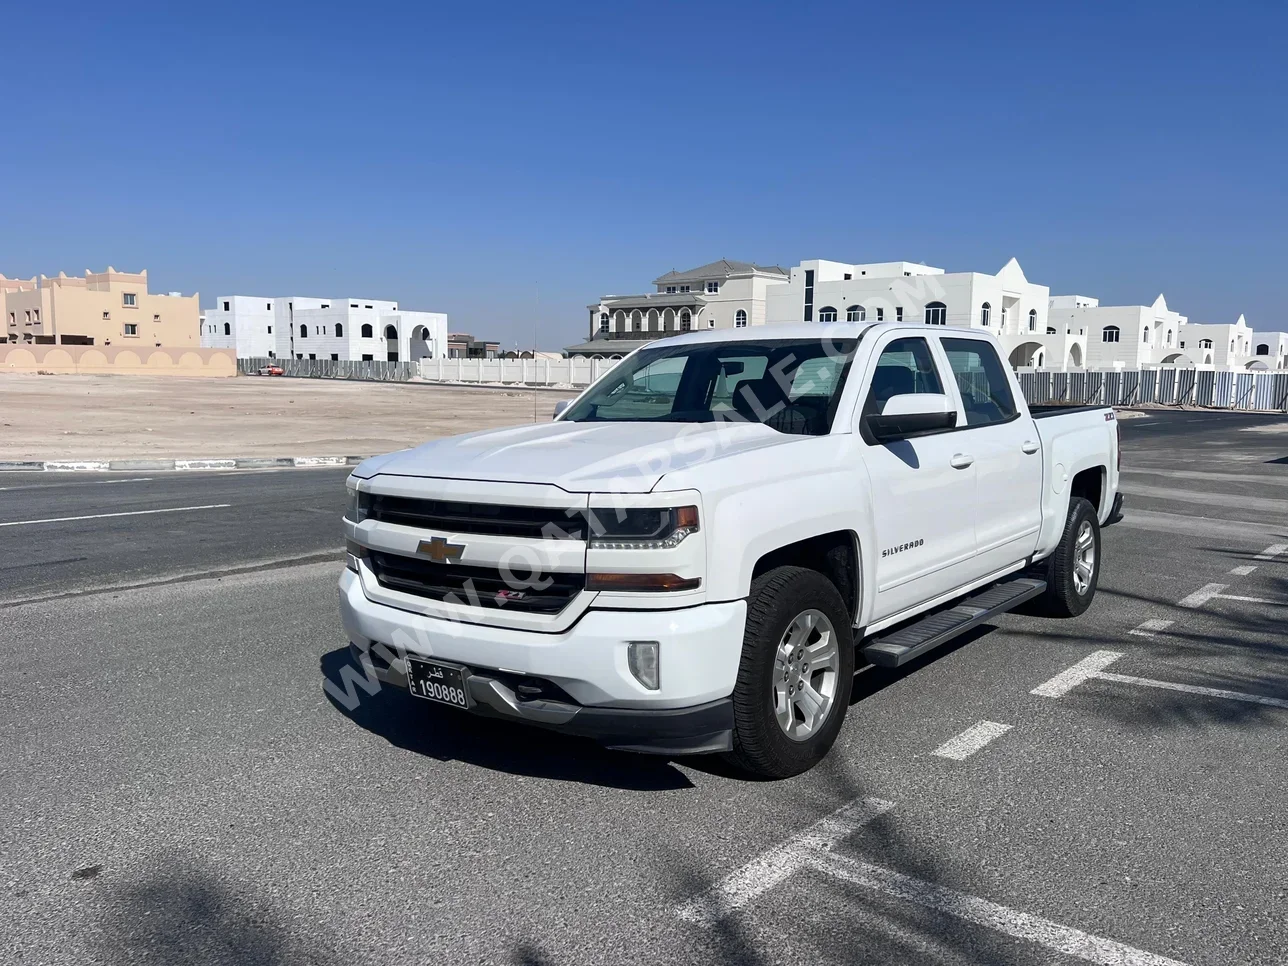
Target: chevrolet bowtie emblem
(440,551)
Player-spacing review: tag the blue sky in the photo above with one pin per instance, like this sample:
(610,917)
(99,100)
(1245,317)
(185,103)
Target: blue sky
(509,163)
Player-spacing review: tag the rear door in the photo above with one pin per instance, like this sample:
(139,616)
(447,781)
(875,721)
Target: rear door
(921,501)
(1001,438)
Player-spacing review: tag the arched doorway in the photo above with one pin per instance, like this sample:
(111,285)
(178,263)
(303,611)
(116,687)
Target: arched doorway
(422,345)
(1075,356)
(1026,355)
(391,342)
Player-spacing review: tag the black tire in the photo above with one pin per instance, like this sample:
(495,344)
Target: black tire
(1062,597)
(760,745)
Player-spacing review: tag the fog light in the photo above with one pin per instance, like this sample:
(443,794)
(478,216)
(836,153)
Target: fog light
(643,658)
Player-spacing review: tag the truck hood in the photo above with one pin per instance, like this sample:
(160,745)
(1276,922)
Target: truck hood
(577,457)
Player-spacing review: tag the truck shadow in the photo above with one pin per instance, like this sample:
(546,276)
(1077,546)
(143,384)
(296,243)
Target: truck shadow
(449,735)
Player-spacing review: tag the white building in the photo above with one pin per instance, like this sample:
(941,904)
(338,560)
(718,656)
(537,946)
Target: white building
(301,327)
(721,295)
(1120,336)
(1006,304)
(1269,350)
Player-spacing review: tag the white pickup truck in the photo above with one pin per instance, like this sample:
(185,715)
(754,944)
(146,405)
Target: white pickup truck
(694,555)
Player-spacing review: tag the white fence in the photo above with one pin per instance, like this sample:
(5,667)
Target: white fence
(516,372)
(1167,386)
(1113,387)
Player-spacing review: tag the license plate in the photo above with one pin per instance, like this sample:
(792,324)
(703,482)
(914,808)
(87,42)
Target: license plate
(435,681)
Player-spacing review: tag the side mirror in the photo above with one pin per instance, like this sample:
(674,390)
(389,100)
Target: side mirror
(560,406)
(908,415)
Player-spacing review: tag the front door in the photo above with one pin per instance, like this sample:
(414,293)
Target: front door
(921,501)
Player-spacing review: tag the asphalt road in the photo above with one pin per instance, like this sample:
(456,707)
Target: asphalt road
(177,785)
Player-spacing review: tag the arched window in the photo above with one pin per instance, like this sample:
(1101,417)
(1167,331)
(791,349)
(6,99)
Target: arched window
(339,330)
(856,313)
(936,313)
(1109,333)
(1051,330)
(1263,349)
(1145,337)
(1205,343)
(603,321)
(686,321)
(740,319)
(1169,338)
(366,330)
(1033,320)
(304,331)
(228,329)
(391,332)
(1231,345)
(985,312)
(827,314)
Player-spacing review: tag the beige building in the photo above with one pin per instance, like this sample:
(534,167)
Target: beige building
(102,309)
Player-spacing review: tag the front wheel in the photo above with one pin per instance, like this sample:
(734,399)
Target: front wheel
(1073,571)
(795,676)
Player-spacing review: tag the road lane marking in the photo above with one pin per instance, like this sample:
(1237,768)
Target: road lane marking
(815,849)
(1271,552)
(104,516)
(981,912)
(1243,571)
(971,740)
(1087,668)
(1195,689)
(49,486)
(1202,595)
(1150,627)
(1250,600)
(1093,666)
(768,870)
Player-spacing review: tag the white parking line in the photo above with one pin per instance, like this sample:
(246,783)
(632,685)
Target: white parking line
(102,516)
(1011,922)
(1194,689)
(1087,668)
(1202,595)
(763,873)
(1271,552)
(1150,627)
(1243,571)
(1093,666)
(971,740)
(816,849)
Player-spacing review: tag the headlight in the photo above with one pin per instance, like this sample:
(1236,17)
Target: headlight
(645,528)
(358,507)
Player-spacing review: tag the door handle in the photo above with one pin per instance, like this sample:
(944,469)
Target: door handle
(1030,447)
(961,461)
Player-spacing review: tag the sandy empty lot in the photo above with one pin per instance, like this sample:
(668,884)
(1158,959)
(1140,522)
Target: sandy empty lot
(117,417)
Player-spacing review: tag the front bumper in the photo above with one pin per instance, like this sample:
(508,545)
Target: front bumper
(595,694)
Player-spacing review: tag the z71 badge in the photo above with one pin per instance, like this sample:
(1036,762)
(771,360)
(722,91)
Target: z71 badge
(910,545)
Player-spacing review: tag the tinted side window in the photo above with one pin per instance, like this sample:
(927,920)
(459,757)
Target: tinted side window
(904,366)
(986,392)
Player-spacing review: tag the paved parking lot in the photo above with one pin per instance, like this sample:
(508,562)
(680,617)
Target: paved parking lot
(180,785)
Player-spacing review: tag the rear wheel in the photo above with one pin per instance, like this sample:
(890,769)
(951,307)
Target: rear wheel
(1073,571)
(796,673)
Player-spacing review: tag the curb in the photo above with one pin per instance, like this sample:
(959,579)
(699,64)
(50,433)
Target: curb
(236,463)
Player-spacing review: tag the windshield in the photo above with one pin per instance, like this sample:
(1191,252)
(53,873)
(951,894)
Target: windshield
(791,385)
